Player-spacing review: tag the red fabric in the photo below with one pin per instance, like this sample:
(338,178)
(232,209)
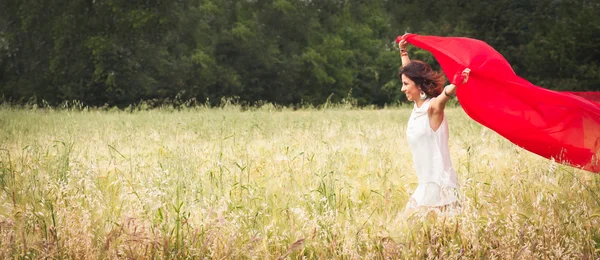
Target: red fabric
(564,126)
(593,96)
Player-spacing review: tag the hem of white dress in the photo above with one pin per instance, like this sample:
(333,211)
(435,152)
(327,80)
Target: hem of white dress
(431,194)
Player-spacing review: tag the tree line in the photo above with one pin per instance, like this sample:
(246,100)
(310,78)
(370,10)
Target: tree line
(288,52)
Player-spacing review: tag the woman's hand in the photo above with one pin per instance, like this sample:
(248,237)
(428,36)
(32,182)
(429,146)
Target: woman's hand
(403,53)
(461,78)
(465,75)
(450,90)
(402,45)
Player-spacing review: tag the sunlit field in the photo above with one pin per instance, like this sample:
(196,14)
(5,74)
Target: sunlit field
(267,183)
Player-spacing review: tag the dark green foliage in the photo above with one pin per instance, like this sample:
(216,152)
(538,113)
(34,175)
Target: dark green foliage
(281,51)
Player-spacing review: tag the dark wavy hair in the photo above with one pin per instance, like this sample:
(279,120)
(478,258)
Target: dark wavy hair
(430,81)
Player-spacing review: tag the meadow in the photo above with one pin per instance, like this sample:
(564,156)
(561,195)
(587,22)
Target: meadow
(274,183)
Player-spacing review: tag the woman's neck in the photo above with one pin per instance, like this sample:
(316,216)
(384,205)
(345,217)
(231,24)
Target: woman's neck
(420,102)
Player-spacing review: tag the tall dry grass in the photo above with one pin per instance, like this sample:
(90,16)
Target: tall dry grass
(274,183)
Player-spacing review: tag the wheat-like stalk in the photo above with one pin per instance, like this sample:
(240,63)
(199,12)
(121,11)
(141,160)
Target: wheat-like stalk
(271,182)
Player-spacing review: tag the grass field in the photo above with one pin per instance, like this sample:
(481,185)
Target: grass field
(269,183)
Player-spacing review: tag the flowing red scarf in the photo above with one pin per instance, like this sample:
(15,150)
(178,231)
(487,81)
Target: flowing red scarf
(563,126)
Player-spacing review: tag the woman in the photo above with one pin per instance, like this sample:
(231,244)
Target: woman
(427,134)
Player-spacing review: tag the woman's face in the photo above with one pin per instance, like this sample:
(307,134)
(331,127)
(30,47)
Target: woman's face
(411,89)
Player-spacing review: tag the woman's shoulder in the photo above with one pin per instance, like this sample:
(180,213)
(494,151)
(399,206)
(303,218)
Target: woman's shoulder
(435,107)
(431,104)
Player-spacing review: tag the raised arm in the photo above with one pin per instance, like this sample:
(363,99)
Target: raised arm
(403,54)
(438,104)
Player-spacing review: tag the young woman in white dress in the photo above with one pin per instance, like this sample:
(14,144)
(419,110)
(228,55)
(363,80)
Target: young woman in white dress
(427,133)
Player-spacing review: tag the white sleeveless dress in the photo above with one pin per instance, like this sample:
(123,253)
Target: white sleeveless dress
(437,178)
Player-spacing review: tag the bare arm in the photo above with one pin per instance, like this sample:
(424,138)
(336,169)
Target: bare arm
(403,54)
(438,104)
